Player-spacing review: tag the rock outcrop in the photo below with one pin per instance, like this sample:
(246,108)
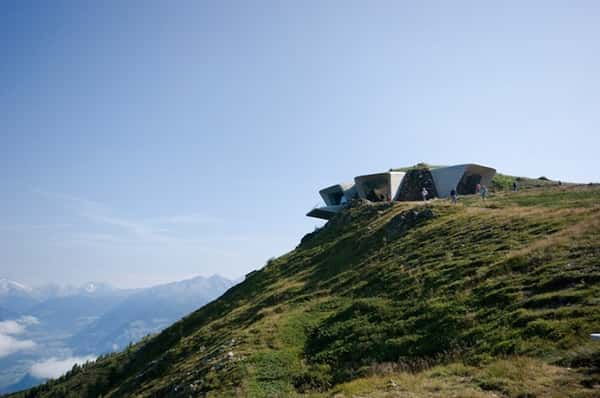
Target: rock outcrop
(413,183)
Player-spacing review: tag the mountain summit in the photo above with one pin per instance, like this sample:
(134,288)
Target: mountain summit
(483,298)
(8,287)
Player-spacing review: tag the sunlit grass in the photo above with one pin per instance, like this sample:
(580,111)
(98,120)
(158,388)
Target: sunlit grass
(482,299)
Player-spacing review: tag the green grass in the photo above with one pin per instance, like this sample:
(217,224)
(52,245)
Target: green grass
(418,166)
(507,377)
(503,182)
(483,298)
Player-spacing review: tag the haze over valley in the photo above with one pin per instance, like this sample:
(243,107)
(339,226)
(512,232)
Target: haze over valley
(45,330)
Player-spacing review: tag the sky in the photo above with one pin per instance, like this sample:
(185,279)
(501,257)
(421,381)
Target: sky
(144,142)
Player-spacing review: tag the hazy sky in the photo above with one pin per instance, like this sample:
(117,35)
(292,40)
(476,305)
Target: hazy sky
(143,142)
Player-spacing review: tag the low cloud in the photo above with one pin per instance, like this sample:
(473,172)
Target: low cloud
(11,327)
(8,329)
(28,320)
(9,345)
(53,368)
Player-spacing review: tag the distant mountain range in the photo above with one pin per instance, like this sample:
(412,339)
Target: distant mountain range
(147,311)
(91,319)
(8,287)
(19,298)
(24,383)
(15,297)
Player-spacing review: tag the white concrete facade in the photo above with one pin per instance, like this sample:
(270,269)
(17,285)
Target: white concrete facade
(379,186)
(338,193)
(325,212)
(448,178)
(385,187)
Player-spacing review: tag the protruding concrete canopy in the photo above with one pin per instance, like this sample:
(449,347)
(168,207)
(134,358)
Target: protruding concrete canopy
(338,193)
(380,187)
(463,178)
(325,212)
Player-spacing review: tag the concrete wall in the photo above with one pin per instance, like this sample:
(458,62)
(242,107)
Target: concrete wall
(325,212)
(395,182)
(387,184)
(487,173)
(447,178)
(351,192)
(332,195)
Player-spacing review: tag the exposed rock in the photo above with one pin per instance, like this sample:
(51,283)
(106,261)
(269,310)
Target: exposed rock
(413,183)
(356,209)
(405,221)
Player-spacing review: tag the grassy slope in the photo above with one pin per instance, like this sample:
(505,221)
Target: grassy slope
(483,299)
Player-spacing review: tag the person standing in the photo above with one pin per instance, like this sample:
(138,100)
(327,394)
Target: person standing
(477,188)
(424,194)
(483,192)
(515,186)
(454,196)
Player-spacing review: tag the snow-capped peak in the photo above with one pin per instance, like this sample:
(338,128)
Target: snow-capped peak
(95,288)
(7,286)
(90,287)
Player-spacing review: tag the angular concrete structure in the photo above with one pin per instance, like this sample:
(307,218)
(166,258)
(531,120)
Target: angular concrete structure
(325,212)
(463,178)
(338,193)
(336,197)
(379,187)
(385,187)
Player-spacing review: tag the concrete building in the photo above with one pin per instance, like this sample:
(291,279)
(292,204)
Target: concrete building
(336,197)
(463,178)
(379,187)
(386,186)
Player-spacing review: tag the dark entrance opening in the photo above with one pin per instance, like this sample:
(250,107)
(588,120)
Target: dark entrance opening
(377,189)
(468,184)
(336,197)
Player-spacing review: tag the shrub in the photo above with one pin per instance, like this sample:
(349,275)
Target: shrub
(371,331)
(316,377)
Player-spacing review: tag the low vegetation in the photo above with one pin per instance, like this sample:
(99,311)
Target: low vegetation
(479,299)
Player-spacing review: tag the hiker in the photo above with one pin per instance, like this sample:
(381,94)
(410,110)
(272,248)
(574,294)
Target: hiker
(515,186)
(477,188)
(424,194)
(483,192)
(454,196)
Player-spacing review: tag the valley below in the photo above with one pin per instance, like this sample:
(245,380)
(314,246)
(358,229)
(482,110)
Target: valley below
(51,328)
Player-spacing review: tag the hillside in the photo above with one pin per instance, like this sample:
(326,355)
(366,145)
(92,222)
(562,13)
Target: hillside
(481,299)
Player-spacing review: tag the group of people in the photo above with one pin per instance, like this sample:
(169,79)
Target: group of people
(482,190)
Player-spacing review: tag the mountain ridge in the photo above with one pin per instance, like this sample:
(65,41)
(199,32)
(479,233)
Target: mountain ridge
(486,298)
(92,319)
(160,304)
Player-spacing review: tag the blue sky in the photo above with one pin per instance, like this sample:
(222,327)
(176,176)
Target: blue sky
(144,142)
